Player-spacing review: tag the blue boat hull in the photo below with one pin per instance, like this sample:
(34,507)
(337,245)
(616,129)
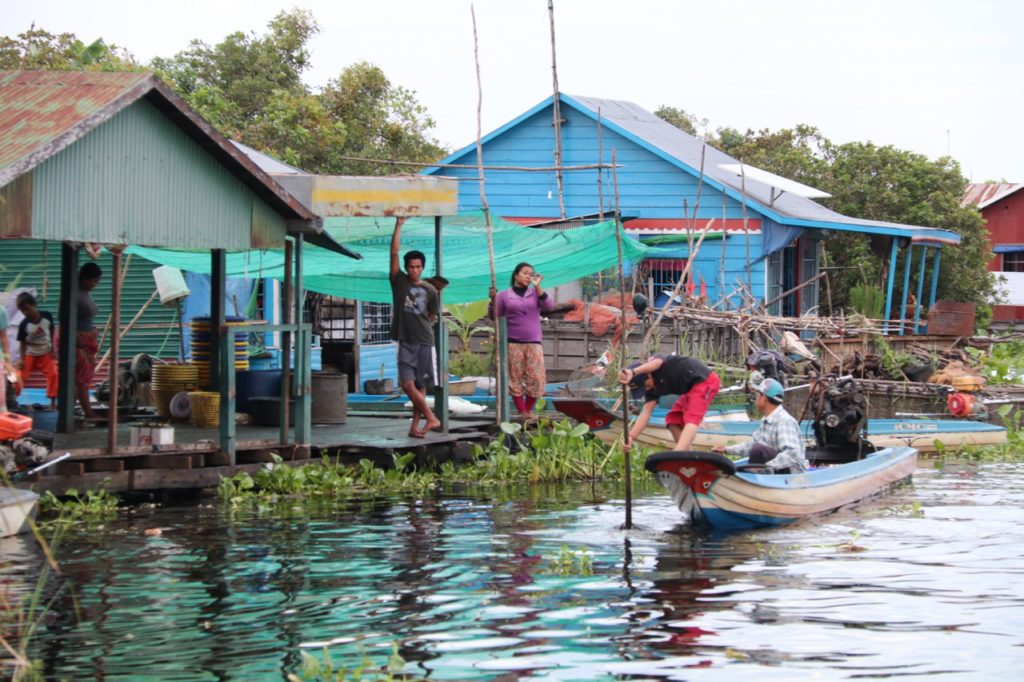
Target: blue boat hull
(712,490)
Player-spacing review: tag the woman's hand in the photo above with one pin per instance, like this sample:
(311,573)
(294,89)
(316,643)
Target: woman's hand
(536,279)
(491,293)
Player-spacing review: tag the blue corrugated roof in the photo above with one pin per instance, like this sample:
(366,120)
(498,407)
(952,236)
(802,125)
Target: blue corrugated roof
(684,151)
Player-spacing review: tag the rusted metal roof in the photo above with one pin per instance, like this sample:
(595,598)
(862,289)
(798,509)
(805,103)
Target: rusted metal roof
(982,194)
(44,112)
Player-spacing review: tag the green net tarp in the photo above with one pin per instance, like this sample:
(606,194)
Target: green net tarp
(562,256)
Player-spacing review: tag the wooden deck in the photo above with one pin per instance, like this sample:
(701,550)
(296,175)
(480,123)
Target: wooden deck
(195,461)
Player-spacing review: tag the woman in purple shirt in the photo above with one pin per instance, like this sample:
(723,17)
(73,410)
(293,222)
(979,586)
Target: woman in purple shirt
(522,307)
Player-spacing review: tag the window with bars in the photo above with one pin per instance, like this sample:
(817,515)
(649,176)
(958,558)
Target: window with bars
(376,322)
(663,274)
(1013,262)
(334,318)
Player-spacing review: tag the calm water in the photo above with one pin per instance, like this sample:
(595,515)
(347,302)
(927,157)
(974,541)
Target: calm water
(468,589)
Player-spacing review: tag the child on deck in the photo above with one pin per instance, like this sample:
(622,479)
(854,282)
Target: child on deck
(35,334)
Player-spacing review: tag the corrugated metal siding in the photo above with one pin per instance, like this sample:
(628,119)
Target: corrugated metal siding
(267,227)
(138,174)
(36,264)
(16,207)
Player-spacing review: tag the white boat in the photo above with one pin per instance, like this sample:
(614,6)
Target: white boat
(17,509)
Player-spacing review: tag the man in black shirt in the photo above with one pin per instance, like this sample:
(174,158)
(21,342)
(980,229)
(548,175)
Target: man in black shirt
(690,379)
(413,313)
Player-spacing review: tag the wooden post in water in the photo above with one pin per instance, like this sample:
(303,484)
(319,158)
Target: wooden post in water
(625,353)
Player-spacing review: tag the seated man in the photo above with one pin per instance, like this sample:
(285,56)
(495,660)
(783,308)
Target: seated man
(776,443)
(689,378)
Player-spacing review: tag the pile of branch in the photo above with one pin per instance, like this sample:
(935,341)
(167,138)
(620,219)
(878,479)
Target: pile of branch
(838,326)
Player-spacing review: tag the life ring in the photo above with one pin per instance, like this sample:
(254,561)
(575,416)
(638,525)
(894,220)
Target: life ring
(960,404)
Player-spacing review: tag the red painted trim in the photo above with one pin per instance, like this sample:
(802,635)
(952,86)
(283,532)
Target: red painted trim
(640,224)
(731,225)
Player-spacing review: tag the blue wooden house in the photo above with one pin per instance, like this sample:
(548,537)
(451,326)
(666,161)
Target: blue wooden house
(767,231)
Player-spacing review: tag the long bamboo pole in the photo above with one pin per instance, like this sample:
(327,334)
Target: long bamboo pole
(499,388)
(624,353)
(127,328)
(556,113)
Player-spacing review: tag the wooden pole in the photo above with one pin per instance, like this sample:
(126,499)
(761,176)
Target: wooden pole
(127,327)
(67,339)
(115,347)
(499,388)
(557,114)
(625,352)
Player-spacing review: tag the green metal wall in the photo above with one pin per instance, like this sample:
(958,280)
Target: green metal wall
(138,179)
(33,263)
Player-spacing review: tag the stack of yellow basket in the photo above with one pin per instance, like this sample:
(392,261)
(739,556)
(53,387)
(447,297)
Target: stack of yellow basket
(205,406)
(168,380)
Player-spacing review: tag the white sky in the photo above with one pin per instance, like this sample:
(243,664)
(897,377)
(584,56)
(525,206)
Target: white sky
(923,75)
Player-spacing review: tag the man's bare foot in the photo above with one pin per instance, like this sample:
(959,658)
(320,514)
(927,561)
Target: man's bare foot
(432,425)
(416,433)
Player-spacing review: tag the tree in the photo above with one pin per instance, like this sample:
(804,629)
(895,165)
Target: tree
(872,182)
(383,121)
(250,88)
(681,119)
(36,49)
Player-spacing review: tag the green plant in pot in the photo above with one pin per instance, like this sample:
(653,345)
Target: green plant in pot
(462,320)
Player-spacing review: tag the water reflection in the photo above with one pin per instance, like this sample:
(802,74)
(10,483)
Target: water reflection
(467,588)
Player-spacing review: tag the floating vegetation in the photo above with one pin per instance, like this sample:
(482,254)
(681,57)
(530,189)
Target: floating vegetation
(73,507)
(569,562)
(557,451)
(318,670)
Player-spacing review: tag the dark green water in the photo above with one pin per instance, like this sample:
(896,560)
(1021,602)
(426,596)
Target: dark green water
(468,589)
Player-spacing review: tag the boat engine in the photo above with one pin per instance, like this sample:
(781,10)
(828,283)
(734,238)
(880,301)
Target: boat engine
(20,447)
(840,415)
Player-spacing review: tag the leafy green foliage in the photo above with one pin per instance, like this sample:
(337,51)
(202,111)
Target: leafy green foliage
(73,507)
(462,319)
(681,119)
(569,562)
(1005,363)
(867,300)
(323,670)
(876,183)
(250,87)
(38,50)
(555,451)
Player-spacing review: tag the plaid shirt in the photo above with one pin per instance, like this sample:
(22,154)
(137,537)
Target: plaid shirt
(780,432)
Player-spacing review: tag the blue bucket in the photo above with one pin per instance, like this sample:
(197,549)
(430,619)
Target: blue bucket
(256,383)
(44,420)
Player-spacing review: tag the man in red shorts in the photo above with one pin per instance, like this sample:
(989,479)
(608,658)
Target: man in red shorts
(690,379)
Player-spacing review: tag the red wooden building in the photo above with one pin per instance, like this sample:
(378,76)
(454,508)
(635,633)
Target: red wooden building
(1002,206)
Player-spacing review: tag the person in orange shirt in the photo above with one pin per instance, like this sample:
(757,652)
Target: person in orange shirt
(35,334)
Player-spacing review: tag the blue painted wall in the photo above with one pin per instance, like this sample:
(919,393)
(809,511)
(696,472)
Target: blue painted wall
(649,187)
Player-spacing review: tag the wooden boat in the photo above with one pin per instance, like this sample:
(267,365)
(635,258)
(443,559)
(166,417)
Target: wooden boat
(711,489)
(17,509)
(920,434)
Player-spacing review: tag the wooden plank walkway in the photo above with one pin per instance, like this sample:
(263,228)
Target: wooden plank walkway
(195,461)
